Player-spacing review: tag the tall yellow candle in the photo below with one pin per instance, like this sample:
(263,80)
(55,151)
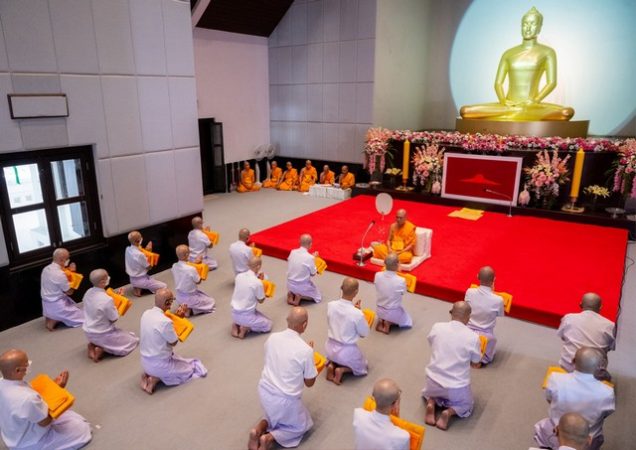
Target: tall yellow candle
(578,172)
(406,156)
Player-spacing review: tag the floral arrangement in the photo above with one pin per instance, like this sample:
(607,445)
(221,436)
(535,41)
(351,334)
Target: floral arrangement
(393,171)
(625,169)
(597,191)
(547,174)
(375,147)
(428,162)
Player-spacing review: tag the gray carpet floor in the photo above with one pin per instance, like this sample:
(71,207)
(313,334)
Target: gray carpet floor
(217,412)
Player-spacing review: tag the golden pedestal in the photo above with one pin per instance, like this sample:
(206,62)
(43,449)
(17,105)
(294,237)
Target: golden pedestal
(542,128)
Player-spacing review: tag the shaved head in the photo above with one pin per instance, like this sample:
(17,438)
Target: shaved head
(345,169)
(461,312)
(255,263)
(60,255)
(306,241)
(592,302)
(297,319)
(244,234)
(325,168)
(197,222)
(573,431)
(385,392)
(400,217)
(134,237)
(587,360)
(12,360)
(182,251)
(349,288)
(97,276)
(392,262)
(486,276)
(274,164)
(164,298)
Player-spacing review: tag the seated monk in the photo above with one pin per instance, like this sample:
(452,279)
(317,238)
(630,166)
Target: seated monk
(274,177)
(289,180)
(247,181)
(401,240)
(346,180)
(327,176)
(524,65)
(308,177)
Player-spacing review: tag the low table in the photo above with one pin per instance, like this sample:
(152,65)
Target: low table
(328,191)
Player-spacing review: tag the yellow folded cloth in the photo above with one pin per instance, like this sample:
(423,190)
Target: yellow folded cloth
(415,431)
(507,298)
(213,236)
(56,398)
(122,303)
(74,278)
(369,315)
(182,326)
(202,269)
(467,213)
(321,265)
(257,252)
(411,281)
(153,258)
(559,369)
(320,361)
(269,287)
(483,344)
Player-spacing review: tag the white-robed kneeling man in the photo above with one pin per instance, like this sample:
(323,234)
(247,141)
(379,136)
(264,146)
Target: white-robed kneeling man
(158,338)
(100,317)
(248,292)
(55,290)
(137,266)
(389,290)
(186,281)
(25,421)
(289,365)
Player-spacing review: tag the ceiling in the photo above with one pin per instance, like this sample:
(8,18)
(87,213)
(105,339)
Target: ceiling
(254,17)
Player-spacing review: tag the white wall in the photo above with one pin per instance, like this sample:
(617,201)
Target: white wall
(127,67)
(321,62)
(232,87)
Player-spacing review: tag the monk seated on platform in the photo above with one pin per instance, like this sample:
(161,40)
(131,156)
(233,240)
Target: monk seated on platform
(301,267)
(274,177)
(373,429)
(137,266)
(347,325)
(55,290)
(401,240)
(199,243)
(25,419)
(327,176)
(247,182)
(389,290)
(248,292)
(346,180)
(100,317)
(158,339)
(186,279)
(289,179)
(308,177)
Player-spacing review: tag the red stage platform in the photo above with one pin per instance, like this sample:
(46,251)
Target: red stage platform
(546,265)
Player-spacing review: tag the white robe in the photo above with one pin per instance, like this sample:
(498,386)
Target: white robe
(374,431)
(240,253)
(584,329)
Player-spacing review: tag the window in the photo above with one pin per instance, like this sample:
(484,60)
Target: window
(49,200)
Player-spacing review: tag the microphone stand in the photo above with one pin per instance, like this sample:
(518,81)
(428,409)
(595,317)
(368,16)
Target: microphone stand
(361,251)
(501,194)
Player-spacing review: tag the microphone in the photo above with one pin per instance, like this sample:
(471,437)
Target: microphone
(361,250)
(501,194)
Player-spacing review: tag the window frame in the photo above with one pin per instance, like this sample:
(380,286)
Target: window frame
(43,158)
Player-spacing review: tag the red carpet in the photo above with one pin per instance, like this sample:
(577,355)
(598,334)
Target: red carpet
(546,265)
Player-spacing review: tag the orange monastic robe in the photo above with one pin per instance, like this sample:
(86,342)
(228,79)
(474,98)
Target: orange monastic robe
(290,180)
(328,178)
(347,181)
(400,238)
(247,181)
(274,178)
(308,177)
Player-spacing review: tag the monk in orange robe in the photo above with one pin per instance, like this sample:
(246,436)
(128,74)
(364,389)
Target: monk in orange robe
(327,176)
(247,181)
(308,177)
(274,177)
(346,180)
(289,180)
(401,240)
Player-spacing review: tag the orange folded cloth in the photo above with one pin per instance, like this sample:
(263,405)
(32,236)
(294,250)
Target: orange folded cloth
(558,369)
(182,326)
(321,265)
(213,236)
(319,361)
(507,298)
(257,252)
(269,287)
(369,314)
(74,278)
(122,303)
(56,398)
(483,344)
(153,258)
(415,431)
(202,269)
(411,281)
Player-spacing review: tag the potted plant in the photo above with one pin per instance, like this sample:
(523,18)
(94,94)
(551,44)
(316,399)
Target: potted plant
(594,192)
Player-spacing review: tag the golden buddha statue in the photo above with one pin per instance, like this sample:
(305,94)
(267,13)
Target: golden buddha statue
(524,65)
